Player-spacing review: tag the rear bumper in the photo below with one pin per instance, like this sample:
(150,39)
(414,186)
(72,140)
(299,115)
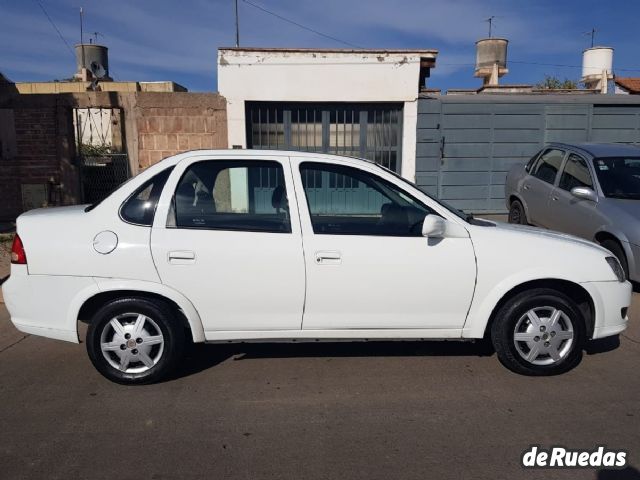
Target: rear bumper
(611,301)
(41,304)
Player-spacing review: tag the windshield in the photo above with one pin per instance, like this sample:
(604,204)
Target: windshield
(458,213)
(619,177)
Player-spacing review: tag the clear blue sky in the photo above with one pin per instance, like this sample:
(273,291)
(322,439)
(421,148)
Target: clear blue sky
(177,39)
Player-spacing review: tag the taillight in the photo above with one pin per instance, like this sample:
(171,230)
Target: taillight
(18,254)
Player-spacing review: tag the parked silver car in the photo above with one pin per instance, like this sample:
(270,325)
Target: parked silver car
(589,190)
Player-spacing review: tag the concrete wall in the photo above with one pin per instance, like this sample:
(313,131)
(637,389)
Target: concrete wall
(168,124)
(322,76)
(467,144)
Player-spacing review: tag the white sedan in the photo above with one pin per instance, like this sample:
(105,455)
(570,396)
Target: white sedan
(232,245)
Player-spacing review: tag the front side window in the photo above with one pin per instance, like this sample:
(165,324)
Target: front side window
(348,201)
(547,166)
(619,177)
(232,195)
(575,173)
(140,207)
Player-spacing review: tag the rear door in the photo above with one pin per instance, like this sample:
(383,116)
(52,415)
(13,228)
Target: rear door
(538,185)
(227,238)
(571,214)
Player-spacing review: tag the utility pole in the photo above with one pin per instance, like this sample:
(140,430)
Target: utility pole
(237,26)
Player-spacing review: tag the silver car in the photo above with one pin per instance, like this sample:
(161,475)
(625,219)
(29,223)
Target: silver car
(589,190)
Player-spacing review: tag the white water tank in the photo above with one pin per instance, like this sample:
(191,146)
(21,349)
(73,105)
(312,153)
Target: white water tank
(595,60)
(491,59)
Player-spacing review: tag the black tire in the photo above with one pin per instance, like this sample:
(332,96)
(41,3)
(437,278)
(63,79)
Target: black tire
(162,345)
(517,213)
(515,309)
(614,247)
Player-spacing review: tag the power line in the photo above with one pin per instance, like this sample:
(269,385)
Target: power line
(54,26)
(300,25)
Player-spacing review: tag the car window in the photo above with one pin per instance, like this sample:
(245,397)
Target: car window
(575,173)
(619,177)
(547,166)
(531,161)
(232,195)
(140,207)
(349,201)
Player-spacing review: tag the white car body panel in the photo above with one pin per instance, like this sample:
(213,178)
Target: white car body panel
(433,290)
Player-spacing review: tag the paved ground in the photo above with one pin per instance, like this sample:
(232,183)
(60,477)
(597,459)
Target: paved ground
(380,410)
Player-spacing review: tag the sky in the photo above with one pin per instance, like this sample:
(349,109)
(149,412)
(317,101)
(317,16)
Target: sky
(153,40)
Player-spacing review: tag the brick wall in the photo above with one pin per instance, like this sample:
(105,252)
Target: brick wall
(182,121)
(36,157)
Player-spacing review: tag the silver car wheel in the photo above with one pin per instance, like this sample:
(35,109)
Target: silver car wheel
(543,335)
(132,343)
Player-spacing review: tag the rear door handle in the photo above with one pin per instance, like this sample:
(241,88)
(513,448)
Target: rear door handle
(182,257)
(328,258)
(525,186)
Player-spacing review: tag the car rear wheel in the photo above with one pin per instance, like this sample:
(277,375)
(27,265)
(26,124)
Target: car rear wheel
(615,248)
(517,214)
(134,341)
(539,332)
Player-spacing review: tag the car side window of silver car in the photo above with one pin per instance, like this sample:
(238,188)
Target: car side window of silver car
(575,173)
(547,166)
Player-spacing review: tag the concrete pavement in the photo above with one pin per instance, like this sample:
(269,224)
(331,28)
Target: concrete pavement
(378,410)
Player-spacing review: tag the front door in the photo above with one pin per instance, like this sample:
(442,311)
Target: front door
(231,244)
(368,266)
(571,214)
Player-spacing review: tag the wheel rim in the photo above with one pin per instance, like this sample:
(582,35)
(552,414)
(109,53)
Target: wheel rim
(132,343)
(543,335)
(515,215)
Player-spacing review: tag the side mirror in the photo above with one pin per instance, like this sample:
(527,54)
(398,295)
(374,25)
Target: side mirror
(433,226)
(584,193)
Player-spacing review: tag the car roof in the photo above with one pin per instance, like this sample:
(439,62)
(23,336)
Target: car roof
(239,152)
(602,149)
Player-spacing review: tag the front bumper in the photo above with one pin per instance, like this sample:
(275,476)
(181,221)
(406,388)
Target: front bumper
(611,301)
(634,262)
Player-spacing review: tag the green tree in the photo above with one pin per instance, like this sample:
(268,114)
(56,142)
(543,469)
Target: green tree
(554,83)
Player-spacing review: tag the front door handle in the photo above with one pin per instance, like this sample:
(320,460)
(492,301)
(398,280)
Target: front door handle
(328,258)
(182,257)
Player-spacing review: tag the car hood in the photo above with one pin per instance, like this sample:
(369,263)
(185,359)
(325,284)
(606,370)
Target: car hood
(630,207)
(550,234)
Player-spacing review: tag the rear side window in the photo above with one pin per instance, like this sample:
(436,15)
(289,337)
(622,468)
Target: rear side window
(238,195)
(140,207)
(547,166)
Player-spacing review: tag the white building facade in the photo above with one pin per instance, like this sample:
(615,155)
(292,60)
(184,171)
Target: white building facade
(352,102)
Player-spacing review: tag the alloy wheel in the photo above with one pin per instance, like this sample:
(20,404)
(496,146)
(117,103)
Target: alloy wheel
(132,343)
(543,335)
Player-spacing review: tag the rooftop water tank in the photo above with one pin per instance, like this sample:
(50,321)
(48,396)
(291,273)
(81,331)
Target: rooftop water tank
(595,60)
(93,57)
(491,59)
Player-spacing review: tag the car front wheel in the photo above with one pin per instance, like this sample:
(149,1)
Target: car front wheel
(539,332)
(517,214)
(134,341)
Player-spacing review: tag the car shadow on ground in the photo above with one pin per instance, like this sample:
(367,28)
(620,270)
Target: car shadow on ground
(200,357)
